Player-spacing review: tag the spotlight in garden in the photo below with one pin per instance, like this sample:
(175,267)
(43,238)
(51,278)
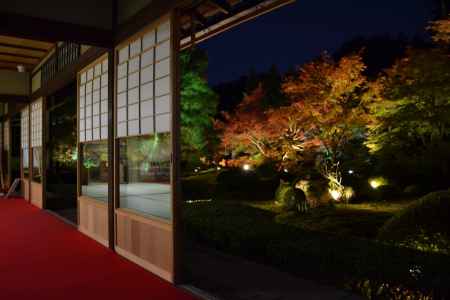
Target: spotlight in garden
(246,167)
(350,171)
(218,168)
(335,194)
(286,171)
(374,184)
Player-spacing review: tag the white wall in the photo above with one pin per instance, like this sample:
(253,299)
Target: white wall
(14,83)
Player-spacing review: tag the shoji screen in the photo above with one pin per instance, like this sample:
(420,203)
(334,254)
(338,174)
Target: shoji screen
(25,118)
(2,162)
(25,146)
(93,99)
(93,103)
(36,123)
(37,152)
(6,136)
(143,84)
(143,133)
(1,137)
(24,139)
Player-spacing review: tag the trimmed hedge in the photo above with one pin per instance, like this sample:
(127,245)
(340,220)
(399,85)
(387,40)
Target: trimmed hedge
(252,233)
(425,224)
(235,184)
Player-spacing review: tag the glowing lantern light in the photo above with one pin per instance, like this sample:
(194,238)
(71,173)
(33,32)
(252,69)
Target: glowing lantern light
(246,167)
(350,172)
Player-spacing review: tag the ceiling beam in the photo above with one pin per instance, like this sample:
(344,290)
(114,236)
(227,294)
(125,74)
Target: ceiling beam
(52,31)
(14,63)
(221,5)
(23,47)
(15,59)
(20,55)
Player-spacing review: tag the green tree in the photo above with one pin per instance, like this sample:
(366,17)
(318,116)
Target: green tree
(198,107)
(411,115)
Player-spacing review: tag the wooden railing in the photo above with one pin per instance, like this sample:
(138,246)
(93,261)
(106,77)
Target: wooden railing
(64,55)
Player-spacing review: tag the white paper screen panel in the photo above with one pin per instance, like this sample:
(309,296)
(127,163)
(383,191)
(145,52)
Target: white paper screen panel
(36,123)
(144,91)
(6,137)
(93,103)
(1,137)
(24,120)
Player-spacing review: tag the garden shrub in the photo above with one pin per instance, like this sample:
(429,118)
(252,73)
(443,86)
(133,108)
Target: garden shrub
(317,194)
(267,169)
(424,225)
(237,185)
(388,192)
(201,186)
(412,190)
(349,194)
(365,192)
(290,198)
(284,194)
(252,233)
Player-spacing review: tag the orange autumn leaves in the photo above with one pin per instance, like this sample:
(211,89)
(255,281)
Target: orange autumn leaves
(324,106)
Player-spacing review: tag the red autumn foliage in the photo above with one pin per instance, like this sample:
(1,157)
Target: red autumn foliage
(324,107)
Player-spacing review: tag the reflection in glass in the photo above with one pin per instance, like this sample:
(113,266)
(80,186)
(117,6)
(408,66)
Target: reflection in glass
(25,162)
(37,164)
(144,170)
(94,171)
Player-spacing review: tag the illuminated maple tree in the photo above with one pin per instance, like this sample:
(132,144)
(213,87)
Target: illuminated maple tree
(326,101)
(441,30)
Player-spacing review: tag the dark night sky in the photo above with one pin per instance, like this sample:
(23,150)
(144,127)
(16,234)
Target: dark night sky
(299,32)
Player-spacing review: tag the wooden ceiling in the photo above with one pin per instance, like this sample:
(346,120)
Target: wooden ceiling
(17,51)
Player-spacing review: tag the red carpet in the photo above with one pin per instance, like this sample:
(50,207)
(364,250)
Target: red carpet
(41,257)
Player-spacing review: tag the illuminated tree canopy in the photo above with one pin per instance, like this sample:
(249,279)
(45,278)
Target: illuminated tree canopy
(198,105)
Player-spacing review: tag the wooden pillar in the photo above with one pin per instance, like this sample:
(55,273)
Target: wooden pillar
(2,146)
(176,151)
(45,139)
(111,146)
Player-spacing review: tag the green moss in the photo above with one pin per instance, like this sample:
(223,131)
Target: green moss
(253,233)
(424,225)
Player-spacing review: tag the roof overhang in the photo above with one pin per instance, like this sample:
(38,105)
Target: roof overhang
(26,40)
(212,17)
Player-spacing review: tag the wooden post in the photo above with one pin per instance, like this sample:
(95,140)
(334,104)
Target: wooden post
(45,139)
(176,153)
(111,152)
(79,150)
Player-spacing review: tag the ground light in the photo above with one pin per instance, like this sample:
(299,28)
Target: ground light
(375,183)
(335,194)
(246,167)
